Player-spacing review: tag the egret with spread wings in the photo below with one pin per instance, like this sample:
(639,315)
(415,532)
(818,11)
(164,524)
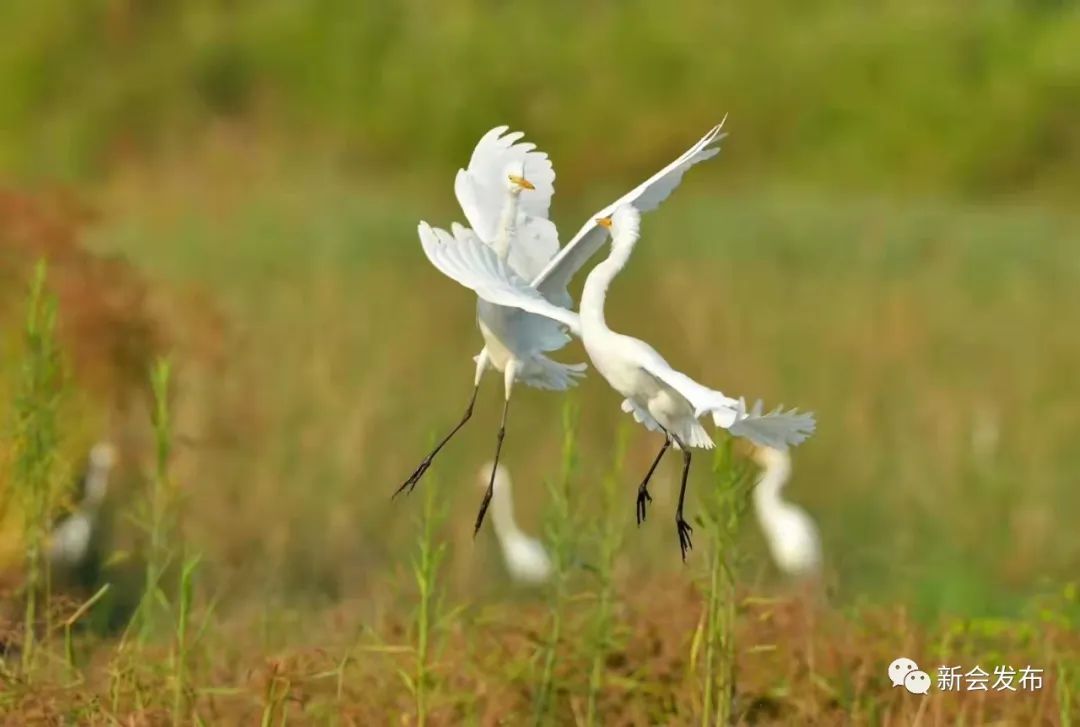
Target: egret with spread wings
(658,396)
(508,212)
(524,241)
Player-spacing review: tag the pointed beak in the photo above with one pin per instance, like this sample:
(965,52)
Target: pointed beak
(604,221)
(521,182)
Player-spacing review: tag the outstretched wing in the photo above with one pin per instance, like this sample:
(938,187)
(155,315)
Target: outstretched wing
(777,429)
(481,192)
(464,258)
(647,196)
(481,188)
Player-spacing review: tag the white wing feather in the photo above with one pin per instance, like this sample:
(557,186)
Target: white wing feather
(647,196)
(464,258)
(481,192)
(483,183)
(777,429)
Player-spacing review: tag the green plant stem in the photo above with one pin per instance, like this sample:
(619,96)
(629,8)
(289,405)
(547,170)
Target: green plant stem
(36,442)
(426,567)
(158,525)
(610,540)
(559,526)
(723,514)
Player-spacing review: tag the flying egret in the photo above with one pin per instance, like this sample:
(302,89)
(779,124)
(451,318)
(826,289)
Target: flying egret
(509,212)
(69,542)
(509,344)
(658,396)
(525,557)
(789,530)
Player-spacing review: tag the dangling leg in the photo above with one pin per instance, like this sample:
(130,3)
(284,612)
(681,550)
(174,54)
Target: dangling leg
(509,375)
(643,496)
(681,525)
(414,478)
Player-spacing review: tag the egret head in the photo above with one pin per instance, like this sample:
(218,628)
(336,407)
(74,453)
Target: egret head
(772,459)
(623,224)
(103,455)
(102,459)
(516,181)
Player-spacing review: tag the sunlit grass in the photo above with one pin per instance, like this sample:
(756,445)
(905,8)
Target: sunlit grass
(37,444)
(905,327)
(561,528)
(912,96)
(913,330)
(609,537)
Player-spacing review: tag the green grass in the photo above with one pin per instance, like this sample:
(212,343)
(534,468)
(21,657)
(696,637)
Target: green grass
(903,324)
(897,95)
(561,528)
(908,327)
(266,164)
(609,537)
(36,441)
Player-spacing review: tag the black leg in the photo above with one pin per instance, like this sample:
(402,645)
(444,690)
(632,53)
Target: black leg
(680,524)
(491,483)
(643,496)
(414,478)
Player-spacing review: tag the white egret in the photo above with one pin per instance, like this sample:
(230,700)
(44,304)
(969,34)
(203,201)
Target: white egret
(522,240)
(69,541)
(658,396)
(525,557)
(790,532)
(508,212)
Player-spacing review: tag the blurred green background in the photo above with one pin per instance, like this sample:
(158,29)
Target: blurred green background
(889,237)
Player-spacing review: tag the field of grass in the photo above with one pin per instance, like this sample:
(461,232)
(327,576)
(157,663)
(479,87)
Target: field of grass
(226,194)
(909,329)
(934,340)
(909,95)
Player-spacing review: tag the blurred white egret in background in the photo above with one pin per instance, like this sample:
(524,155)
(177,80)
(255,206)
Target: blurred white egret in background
(658,396)
(69,541)
(790,532)
(509,217)
(525,557)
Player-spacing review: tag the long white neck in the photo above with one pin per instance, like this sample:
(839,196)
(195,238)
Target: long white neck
(507,224)
(502,505)
(502,513)
(95,485)
(97,481)
(767,490)
(594,294)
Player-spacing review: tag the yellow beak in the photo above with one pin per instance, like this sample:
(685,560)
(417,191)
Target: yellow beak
(604,221)
(521,182)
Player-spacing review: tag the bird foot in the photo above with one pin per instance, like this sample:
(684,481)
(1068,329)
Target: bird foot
(643,499)
(414,478)
(685,543)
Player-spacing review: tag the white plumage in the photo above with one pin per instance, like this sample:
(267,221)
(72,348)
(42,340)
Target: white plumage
(525,557)
(789,530)
(505,195)
(658,396)
(69,542)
